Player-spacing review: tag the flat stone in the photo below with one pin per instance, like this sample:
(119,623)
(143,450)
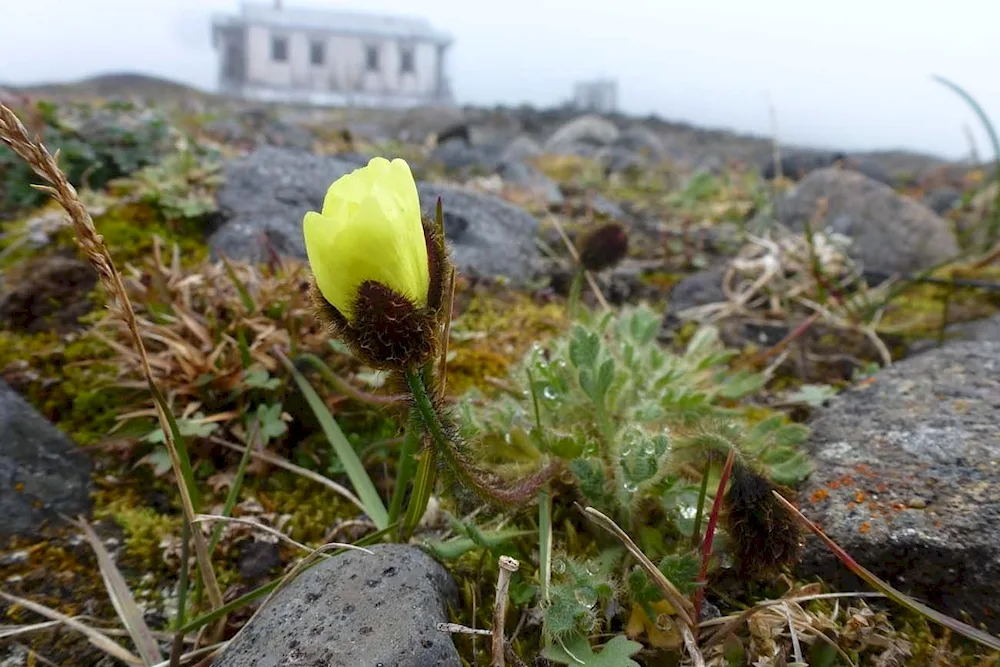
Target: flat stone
(488,237)
(907,480)
(890,232)
(355,610)
(43,476)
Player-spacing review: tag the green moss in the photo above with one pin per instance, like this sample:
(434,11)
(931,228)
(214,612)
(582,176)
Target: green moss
(144,529)
(313,509)
(494,330)
(68,380)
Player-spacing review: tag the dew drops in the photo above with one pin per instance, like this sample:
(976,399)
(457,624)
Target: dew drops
(549,393)
(586,597)
(559,566)
(630,487)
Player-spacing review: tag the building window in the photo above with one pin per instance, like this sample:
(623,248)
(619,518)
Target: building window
(407,64)
(371,58)
(317,53)
(279,49)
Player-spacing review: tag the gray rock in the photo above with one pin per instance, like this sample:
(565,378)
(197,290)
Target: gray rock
(589,130)
(643,140)
(618,159)
(799,164)
(456,154)
(42,473)
(521,148)
(977,330)
(942,200)
(891,232)
(356,610)
(265,195)
(530,178)
(907,480)
(488,237)
(699,289)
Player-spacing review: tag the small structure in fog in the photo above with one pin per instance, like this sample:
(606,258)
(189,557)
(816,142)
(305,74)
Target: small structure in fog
(597,96)
(269,52)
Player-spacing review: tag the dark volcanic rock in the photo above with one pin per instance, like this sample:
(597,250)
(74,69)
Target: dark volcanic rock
(891,232)
(488,237)
(798,165)
(355,610)
(48,293)
(907,480)
(265,195)
(42,474)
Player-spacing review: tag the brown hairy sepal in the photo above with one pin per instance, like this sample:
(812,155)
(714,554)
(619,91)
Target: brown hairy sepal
(604,247)
(389,332)
(764,535)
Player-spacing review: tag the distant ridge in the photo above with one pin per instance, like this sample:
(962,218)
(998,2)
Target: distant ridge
(111,84)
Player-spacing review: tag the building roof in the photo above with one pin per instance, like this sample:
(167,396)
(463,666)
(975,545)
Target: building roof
(355,23)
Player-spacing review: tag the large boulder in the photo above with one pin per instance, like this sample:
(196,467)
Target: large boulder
(265,195)
(907,480)
(43,476)
(488,237)
(891,233)
(585,131)
(355,610)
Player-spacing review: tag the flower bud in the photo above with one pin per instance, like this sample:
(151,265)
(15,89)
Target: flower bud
(378,268)
(604,247)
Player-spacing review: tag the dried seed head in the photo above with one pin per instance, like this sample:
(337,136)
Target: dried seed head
(765,535)
(604,247)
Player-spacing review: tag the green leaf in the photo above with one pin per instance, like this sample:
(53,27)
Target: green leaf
(584,348)
(261,379)
(742,384)
(355,470)
(271,424)
(193,427)
(459,546)
(577,651)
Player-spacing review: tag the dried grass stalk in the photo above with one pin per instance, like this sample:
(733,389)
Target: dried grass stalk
(32,151)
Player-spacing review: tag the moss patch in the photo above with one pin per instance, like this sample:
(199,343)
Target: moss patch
(493,329)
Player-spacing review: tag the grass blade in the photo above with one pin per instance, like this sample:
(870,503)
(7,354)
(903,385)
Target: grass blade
(423,484)
(407,463)
(95,637)
(240,287)
(121,598)
(890,592)
(356,472)
(993,230)
(234,490)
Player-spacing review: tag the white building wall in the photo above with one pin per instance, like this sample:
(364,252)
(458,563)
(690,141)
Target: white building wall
(344,67)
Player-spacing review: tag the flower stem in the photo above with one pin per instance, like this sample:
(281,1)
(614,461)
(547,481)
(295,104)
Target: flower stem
(407,464)
(425,408)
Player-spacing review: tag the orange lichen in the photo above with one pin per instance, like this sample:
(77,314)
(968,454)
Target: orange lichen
(865,527)
(818,495)
(859,496)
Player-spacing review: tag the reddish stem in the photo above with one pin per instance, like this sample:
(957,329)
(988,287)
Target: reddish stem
(713,520)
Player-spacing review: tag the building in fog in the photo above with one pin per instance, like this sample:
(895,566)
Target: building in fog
(270,52)
(598,96)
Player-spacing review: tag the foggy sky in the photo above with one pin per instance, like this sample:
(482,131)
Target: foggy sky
(851,74)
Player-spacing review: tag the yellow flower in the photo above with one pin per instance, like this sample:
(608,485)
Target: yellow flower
(370,230)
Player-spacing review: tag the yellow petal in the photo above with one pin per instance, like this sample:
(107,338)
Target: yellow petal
(370,229)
